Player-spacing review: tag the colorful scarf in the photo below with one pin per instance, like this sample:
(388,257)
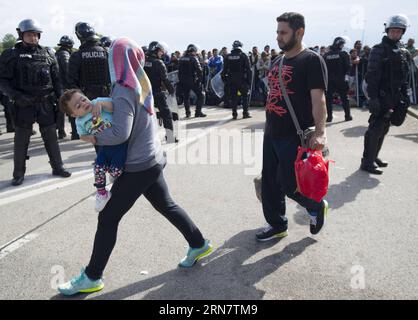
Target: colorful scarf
(126,62)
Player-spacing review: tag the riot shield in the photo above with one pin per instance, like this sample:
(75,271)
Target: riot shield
(364,87)
(174,108)
(218,85)
(173,77)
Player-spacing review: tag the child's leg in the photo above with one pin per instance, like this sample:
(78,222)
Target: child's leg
(115,172)
(118,159)
(100,178)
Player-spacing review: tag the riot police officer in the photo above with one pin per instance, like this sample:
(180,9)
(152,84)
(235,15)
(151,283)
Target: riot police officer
(105,42)
(88,68)
(387,88)
(29,75)
(63,57)
(238,75)
(338,64)
(190,78)
(157,74)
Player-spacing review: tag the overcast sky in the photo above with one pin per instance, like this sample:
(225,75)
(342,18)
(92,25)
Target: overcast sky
(211,23)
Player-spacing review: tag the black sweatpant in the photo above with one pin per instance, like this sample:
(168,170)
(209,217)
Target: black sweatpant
(126,190)
(279,180)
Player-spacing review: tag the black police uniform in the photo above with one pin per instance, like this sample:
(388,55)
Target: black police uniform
(237,74)
(338,64)
(29,75)
(387,87)
(88,70)
(157,74)
(190,78)
(63,58)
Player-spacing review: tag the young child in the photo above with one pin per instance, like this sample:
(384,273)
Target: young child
(92,117)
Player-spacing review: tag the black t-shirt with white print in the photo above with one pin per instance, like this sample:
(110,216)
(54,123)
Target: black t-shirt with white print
(300,75)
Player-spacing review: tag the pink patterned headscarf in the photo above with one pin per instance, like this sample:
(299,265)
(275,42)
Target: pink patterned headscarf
(126,62)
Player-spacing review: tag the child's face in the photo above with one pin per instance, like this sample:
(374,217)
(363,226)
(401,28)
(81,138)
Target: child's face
(80,105)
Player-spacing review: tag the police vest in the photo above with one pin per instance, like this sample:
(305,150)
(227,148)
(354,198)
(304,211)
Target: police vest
(63,57)
(94,70)
(335,62)
(34,71)
(152,69)
(186,67)
(395,68)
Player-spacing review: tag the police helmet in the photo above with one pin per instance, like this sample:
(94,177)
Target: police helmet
(155,46)
(66,41)
(28,25)
(192,48)
(85,31)
(105,41)
(398,21)
(338,42)
(237,45)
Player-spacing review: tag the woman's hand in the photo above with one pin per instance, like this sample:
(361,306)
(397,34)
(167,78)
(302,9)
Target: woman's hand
(97,110)
(90,139)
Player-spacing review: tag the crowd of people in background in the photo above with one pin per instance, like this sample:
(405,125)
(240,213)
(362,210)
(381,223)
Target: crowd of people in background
(212,62)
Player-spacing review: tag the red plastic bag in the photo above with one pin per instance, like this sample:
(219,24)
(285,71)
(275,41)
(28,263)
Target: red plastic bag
(312,174)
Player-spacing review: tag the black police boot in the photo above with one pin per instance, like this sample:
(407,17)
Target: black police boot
(370,167)
(200,114)
(246,115)
(49,135)
(188,113)
(61,134)
(329,109)
(17,181)
(234,113)
(381,164)
(347,111)
(21,145)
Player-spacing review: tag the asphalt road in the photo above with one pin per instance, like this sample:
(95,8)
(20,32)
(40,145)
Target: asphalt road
(367,249)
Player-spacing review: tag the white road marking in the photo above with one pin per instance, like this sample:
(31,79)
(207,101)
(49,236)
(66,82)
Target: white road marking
(24,239)
(86,174)
(52,187)
(16,244)
(39,182)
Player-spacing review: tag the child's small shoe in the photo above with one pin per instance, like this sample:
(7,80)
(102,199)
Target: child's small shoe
(102,200)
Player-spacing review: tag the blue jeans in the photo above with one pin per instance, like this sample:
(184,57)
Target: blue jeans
(279,180)
(109,159)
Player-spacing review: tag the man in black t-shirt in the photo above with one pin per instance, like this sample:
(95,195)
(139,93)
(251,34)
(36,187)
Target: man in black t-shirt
(305,77)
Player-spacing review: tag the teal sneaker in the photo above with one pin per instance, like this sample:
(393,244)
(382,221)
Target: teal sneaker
(194,255)
(80,284)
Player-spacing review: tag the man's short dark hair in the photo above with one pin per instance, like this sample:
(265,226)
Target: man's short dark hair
(294,19)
